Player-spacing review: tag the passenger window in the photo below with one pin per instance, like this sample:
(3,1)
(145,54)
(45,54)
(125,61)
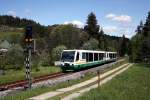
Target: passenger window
(87,57)
(95,56)
(83,55)
(90,56)
(100,56)
(110,55)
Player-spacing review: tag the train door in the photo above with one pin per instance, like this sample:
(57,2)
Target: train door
(77,56)
(105,56)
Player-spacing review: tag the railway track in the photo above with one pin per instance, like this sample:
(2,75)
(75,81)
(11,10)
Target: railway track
(23,83)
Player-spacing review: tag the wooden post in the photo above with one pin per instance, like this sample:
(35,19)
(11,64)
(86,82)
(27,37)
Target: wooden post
(98,74)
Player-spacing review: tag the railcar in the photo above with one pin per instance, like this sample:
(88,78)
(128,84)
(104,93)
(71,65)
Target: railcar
(75,60)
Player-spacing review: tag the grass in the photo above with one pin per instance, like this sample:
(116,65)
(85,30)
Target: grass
(30,93)
(4,35)
(133,84)
(15,75)
(58,97)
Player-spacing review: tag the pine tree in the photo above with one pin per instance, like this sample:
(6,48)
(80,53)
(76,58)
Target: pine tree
(139,28)
(101,39)
(141,42)
(92,28)
(146,28)
(123,46)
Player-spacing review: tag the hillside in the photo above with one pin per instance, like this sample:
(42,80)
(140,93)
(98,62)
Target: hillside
(50,39)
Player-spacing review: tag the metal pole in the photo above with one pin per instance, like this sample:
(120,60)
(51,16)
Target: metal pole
(34,45)
(30,82)
(28,66)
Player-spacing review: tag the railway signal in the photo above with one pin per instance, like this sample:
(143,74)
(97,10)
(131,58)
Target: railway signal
(28,44)
(28,35)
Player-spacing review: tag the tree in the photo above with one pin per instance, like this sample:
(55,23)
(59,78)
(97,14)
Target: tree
(141,43)
(92,28)
(101,40)
(145,50)
(3,62)
(36,61)
(146,28)
(56,52)
(15,56)
(67,35)
(45,58)
(139,28)
(92,44)
(83,37)
(123,46)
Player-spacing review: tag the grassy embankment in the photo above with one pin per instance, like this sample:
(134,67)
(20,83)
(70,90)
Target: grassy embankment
(133,84)
(30,93)
(15,75)
(5,35)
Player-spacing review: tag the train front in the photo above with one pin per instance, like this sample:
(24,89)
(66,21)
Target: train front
(67,60)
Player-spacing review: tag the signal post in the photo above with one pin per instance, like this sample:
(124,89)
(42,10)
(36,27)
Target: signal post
(28,47)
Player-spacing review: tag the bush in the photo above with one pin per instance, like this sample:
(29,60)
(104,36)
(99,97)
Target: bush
(45,59)
(35,61)
(92,44)
(14,56)
(56,52)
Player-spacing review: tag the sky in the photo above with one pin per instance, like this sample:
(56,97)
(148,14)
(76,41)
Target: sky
(116,17)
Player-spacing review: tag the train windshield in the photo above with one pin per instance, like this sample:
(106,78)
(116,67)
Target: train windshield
(68,56)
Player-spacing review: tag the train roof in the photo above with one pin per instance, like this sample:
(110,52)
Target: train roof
(95,51)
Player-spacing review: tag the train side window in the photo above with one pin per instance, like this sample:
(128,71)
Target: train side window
(83,55)
(87,57)
(90,56)
(100,56)
(77,57)
(110,55)
(95,56)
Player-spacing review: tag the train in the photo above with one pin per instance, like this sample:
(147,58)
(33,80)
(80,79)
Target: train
(75,60)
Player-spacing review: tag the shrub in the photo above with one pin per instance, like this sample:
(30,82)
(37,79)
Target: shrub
(92,44)
(15,56)
(56,52)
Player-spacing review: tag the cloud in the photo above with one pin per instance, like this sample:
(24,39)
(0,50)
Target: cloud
(12,13)
(110,16)
(77,23)
(118,31)
(123,18)
(27,11)
(110,29)
(119,18)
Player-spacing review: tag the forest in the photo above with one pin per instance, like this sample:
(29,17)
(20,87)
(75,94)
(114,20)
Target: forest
(140,43)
